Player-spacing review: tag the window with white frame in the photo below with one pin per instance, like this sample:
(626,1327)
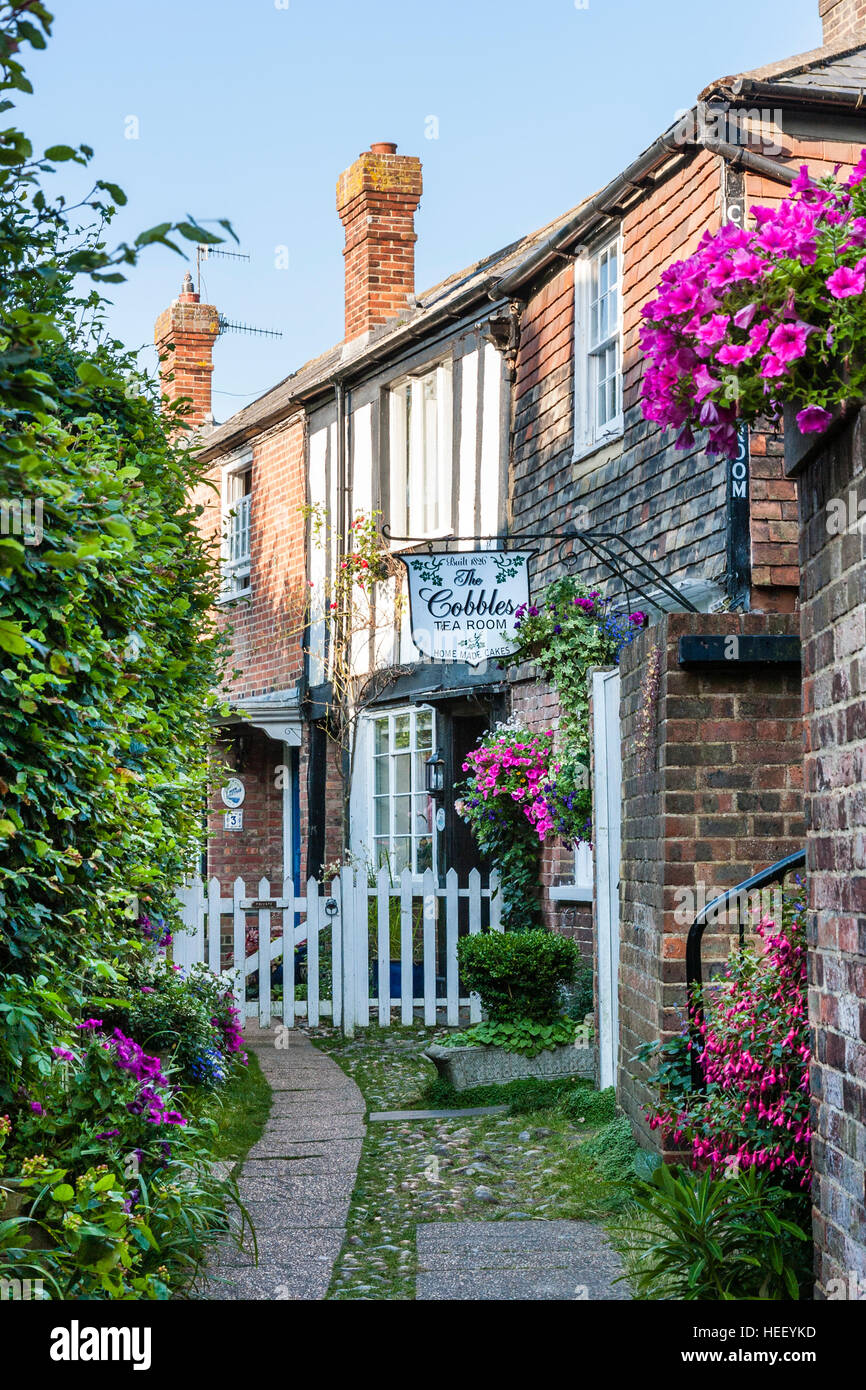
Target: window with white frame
(236,499)
(421,464)
(402,811)
(579,890)
(598,346)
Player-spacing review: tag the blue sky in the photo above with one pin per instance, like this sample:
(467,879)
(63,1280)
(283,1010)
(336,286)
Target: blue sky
(249,109)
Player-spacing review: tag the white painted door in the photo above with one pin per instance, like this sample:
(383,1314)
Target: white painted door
(607,795)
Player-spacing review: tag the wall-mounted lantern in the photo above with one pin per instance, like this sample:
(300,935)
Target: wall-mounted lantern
(434,773)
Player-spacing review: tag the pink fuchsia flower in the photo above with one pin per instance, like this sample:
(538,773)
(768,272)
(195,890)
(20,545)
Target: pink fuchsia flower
(845,282)
(813,419)
(788,340)
(36,1107)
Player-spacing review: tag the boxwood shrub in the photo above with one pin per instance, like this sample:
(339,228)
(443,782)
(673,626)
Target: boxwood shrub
(518,974)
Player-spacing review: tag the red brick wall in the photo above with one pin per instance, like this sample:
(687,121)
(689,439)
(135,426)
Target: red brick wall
(256,851)
(376,200)
(832,591)
(843,19)
(267,628)
(266,638)
(184,334)
(712,792)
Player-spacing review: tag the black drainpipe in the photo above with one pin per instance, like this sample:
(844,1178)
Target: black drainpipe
(344,545)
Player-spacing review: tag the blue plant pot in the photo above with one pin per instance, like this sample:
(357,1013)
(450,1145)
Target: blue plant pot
(395,982)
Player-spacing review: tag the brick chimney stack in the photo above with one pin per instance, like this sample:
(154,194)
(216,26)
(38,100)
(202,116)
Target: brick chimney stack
(843,20)
(184,334)
(376,199)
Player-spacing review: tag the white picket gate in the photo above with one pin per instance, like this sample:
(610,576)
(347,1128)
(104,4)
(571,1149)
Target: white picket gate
(353,931)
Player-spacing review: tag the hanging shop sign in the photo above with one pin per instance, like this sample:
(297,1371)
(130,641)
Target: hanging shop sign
(462,604)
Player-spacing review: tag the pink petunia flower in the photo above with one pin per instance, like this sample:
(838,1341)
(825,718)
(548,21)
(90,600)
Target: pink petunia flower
(813,419)
(788,341)
(845,282)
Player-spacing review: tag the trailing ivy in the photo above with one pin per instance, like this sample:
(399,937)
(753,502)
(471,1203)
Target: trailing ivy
(569,630)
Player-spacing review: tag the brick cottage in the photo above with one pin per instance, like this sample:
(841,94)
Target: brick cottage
(504,403)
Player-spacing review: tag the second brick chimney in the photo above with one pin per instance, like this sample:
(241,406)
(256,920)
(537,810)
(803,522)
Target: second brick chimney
(184,334)
(376,199)
(843,20)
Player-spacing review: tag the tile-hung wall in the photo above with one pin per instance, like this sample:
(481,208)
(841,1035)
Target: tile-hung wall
(427,442)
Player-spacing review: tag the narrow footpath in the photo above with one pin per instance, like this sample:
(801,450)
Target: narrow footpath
(297,1180)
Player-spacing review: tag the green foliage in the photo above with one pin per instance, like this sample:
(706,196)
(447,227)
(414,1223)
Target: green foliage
(568,630)
(181,1016)
(592,1107)
(521,1035)
(108,662)
(518,974)
(513,846)
(613,1150)
(109,656)
(579,993)
(126,1229)
(671,1077)
(240,1109)
(525,1096)
(720,1239)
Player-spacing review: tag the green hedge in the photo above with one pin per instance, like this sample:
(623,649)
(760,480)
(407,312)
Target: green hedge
(518,974)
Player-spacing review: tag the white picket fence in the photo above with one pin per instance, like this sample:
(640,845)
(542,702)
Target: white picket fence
(356,916)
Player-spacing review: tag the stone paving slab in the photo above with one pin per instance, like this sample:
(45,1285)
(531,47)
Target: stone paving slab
(305,1165)
(259,1182)
(297,1180)
(282,1144)
(302,1280)
(282,1247)
(294,1104)
(516,1260)
(303,1128)
(437,1114)
(310,1081)
(297,1213)
(499,1285)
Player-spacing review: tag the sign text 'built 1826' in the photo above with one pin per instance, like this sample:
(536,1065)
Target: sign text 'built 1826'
(463,604)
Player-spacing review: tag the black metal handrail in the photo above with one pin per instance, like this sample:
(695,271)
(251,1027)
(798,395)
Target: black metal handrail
(776,873)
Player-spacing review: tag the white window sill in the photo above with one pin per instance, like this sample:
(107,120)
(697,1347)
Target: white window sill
(233,598)
(583,452)
(570,893)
